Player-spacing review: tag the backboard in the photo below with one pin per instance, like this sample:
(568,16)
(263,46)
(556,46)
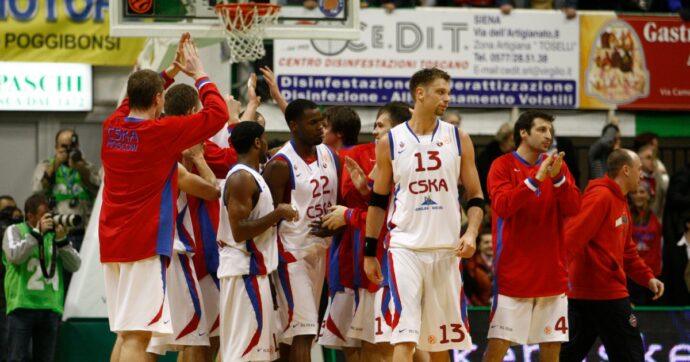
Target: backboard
(331,19)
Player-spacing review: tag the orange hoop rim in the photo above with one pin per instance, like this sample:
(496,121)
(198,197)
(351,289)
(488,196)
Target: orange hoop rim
(261,8)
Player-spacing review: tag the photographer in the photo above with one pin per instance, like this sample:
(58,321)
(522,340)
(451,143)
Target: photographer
(34,254)
(9,214)
(69,180)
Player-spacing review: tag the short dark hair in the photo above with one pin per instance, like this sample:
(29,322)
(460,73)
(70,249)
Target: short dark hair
(142,87)
(34,201)
(644,139)
(616,160)
(64,130)
(424,77)
(344,120)
(526,122)
(398,112)
(296,109)
(180,99)
(243,136)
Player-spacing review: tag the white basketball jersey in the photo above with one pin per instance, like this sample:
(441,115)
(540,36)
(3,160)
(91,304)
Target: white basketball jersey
(426,208)
(258,256)
(314,189)
(184,232)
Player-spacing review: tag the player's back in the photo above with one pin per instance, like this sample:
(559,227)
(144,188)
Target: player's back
(313,190)
(426,207)
(138,195)
(258,255)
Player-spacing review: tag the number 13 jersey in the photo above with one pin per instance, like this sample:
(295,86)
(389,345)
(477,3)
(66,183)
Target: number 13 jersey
(425,212)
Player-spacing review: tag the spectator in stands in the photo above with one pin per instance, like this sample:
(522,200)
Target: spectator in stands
(675,247)
(388,5)
(616,5)
(68,180)
(569,6)
(453,118)
(341,128)
(654,171)
(35,253)
(468,3)
(647,235)
(478,274)
(599,151)
(502,143)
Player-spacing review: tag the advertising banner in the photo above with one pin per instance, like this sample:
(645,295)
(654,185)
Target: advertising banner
(528,59)
(45,87)
(635,62)
(62,31)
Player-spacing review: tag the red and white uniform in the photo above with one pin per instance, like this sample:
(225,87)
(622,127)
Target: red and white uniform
(313,189)
(137,219)
(528,220)
(424,223)
(248,321)
(183,292)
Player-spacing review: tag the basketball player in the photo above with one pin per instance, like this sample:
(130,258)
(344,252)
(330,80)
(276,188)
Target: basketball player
(422,160)
(137,221)
(368,323)
(341,130)
(305,173)
(532,193)
(249,253)
(188,304)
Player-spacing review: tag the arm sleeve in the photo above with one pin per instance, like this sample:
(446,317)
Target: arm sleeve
(219,159)
(39,171)
(70,258)
(507,199)
(604,145)
(582,227)
(182,132)
(16,249)
(633,264)
(567,193)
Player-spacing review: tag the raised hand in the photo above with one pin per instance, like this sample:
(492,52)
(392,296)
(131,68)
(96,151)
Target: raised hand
(270,79)
(251,90)
(544,169)
(556,164)
(191,63)
(234,107)
(359,179)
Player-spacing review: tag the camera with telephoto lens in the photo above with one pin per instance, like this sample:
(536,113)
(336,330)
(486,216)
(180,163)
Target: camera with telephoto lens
(73,151)
(68,220)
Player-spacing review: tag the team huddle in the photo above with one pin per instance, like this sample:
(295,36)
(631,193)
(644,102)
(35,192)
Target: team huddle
(222,248)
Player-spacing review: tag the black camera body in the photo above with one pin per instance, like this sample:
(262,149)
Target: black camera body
(73,151)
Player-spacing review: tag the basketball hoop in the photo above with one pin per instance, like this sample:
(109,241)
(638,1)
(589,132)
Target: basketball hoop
(245,26)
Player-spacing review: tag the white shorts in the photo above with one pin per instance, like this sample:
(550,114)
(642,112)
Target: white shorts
(136,297)
(427,292)
(529,320)
(299,285)
(249,325)
(371,322)
(211,296)
(186,312)
(336,321)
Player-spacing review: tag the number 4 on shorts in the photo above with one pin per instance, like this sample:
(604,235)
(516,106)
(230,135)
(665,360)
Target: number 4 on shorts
(561,325)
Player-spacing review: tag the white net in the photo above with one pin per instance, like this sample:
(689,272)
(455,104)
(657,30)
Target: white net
(245,25)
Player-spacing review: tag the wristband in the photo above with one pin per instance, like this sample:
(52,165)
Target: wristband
(476,202)
(62,242)
(370,246)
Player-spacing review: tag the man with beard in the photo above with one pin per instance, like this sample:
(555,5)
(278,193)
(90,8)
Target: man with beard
(531,195)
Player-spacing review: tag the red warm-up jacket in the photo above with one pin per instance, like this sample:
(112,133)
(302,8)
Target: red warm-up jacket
(599,245)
